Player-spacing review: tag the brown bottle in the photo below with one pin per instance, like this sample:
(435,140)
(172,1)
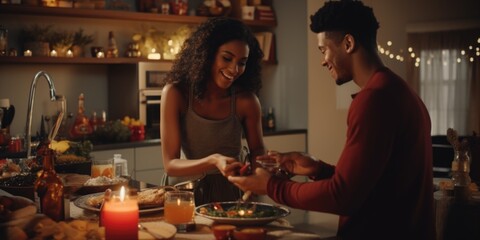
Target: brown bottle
(81,126)
(49,191)
(112,51)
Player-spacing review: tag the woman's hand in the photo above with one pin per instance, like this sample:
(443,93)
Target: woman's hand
(226,165)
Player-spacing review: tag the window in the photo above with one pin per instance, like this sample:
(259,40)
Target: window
(444,69)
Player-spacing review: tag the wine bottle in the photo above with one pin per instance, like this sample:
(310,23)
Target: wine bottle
(112,51)
(49,189)
(81,125)
(271,124)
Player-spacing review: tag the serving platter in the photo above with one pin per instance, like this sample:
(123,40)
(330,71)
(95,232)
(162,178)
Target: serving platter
(81,202)
(278,212)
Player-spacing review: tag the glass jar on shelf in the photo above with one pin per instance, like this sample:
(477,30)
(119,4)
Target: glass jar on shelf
(461,174)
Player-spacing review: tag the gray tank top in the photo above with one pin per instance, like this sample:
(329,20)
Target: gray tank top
(201,137)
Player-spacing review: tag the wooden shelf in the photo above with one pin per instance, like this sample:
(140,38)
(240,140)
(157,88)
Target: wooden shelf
(75,60)
(15,9)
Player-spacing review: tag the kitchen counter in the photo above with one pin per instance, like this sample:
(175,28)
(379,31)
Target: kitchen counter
(153,142)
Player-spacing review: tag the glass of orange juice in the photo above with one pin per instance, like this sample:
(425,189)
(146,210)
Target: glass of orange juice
(102,167)
(179,207)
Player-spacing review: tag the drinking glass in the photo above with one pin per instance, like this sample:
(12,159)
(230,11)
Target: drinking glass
(179,207)
(102,167)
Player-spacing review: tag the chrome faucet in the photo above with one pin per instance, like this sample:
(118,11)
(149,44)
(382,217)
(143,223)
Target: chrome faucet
(31,99)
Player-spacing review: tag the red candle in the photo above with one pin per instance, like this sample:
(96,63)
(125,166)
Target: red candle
(120,217)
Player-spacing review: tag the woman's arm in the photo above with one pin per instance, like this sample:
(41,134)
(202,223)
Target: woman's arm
(250,113)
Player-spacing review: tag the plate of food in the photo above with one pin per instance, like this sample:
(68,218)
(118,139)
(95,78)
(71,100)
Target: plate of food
(102,183)
(149,200)
(249,213)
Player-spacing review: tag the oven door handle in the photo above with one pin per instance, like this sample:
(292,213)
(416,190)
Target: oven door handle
(151,102)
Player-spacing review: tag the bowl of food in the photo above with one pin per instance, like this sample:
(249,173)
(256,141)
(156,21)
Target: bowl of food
(249,213)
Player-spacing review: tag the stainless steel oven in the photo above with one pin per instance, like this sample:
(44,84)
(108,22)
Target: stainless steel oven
(151,77)
(135,90)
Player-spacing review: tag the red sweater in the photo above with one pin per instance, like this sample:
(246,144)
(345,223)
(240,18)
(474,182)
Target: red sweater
(382,185)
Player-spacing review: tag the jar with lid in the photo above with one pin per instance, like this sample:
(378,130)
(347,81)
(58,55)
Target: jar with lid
(461,174)
(121,166)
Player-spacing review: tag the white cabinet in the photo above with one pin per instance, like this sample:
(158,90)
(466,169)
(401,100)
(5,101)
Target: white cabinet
(144,163)
(149,164)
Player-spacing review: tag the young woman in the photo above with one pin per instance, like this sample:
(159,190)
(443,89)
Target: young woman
(208,104)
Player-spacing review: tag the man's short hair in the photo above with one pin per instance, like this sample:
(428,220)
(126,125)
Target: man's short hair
(348,17)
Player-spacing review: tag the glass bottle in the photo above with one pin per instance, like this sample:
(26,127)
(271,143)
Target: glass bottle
(271,124)
(112,50)
(49,189)
(461,174)
(81,125)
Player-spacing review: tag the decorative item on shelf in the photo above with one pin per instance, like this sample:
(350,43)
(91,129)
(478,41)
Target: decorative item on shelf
(65,3)
(53,53)
(97,52)
(35,39)
(81,126)
(165,8)
(264,13)
(215,8)
(80,40)
(69,53)
(154,55)
(27,53)
(61,41)
(49,3)
(179,7)
(112,51)
(133,50)
(3,40)
(248,12)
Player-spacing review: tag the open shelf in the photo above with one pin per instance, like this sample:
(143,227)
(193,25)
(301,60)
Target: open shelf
(75,60)
(15,9)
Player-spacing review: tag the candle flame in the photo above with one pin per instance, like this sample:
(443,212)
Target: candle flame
(122,193)
(178,201)
(241,212)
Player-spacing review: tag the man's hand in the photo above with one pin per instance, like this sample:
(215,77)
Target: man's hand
(256,183)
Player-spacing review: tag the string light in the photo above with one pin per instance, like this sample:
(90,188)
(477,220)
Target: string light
(469,55)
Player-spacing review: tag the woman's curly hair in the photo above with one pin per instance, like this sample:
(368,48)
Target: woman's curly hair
(193,64)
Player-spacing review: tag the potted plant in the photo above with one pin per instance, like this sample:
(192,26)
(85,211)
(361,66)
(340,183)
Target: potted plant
(36,39)
(80,40)
(61,41)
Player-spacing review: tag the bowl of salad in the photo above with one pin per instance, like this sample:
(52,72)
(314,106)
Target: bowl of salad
(244,213)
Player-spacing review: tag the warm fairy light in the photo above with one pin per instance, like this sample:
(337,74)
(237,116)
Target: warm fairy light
(459,60)
(471,59)
(241,212)
(412,55)
(462,52)
(389,43)
(410,49)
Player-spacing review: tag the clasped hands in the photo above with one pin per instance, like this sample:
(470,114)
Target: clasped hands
(287,164)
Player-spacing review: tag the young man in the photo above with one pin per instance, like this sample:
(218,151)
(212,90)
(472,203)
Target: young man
(382,186)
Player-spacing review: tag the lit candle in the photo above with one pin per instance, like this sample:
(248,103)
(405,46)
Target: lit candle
(69,53)
(27,53)
(120,217)
(53,53)
(154,55)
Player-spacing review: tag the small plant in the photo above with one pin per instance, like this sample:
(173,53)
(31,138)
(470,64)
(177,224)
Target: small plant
(80,39)
(61,39)
(36,33)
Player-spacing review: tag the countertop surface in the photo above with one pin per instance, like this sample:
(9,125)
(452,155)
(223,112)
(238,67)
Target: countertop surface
(153,142)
